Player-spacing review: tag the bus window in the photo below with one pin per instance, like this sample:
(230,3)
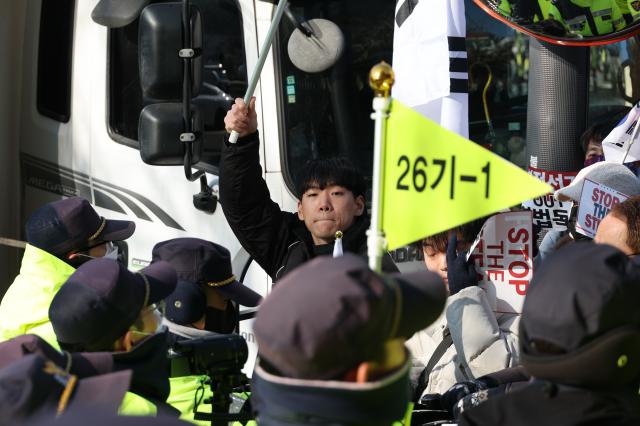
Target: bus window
(224,77)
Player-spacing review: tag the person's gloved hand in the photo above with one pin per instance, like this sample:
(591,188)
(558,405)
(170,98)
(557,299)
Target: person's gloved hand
(458,391)
(461,274)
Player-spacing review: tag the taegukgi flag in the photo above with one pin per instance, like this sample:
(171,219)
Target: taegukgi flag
(430,61)
(621,145)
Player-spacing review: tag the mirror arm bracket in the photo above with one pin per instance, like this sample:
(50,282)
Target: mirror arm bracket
(187,53)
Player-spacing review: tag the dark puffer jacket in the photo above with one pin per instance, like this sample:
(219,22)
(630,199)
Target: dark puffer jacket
(277,240)
(545,403)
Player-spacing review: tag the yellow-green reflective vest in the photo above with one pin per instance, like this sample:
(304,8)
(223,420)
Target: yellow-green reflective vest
(606,16)
(25,306)
(182,398)
(135,405)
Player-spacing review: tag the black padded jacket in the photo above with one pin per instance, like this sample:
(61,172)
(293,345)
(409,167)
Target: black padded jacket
(277,240)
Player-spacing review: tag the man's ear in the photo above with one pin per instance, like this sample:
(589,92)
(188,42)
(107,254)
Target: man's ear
(360,205)
(300,214)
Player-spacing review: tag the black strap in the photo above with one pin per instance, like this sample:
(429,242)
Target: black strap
(423,380)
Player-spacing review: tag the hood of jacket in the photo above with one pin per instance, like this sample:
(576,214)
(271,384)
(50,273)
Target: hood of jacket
(353,240)
(285,401)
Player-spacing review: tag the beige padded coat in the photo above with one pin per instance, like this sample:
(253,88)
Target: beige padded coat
(483,341)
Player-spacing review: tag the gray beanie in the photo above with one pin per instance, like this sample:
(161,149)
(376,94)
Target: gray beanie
(615,176)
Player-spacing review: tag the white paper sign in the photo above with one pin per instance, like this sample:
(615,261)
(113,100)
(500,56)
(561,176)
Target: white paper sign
(596,201)
(503,255)
(549,213)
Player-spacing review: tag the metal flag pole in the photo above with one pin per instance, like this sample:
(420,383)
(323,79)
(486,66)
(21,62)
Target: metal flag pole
(381,79)
(264,51)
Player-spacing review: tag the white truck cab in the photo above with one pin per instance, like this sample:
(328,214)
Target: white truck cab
(71,101)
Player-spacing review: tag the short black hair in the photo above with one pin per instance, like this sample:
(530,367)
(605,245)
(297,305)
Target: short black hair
(595,133)
(323,172)
(468,232)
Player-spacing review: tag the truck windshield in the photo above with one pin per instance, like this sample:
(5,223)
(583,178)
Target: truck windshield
(328,114)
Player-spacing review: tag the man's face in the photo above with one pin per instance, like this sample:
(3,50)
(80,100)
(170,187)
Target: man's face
(329,210)
(613,231)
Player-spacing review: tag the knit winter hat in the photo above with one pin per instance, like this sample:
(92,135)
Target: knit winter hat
(615,176)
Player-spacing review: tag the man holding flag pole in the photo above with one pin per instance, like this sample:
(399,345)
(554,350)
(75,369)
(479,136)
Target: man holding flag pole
(331,216)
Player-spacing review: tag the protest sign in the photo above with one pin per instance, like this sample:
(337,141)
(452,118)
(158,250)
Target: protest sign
(549,213)
(596,201)
(434,179)
(503,255)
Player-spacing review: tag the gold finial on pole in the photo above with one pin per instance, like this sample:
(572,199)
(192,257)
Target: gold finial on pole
(381,79)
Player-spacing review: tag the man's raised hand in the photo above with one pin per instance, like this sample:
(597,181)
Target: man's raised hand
(242,118)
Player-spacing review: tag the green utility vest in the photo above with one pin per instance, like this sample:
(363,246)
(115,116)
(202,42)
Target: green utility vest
(182,397)
(549,11)
(633,7)
(598,17)
(25,306)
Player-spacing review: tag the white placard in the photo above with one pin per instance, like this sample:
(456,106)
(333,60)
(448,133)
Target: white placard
(549,213)
(596,201)
(503,255)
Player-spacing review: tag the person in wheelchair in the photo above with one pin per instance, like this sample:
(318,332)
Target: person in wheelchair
(580,342)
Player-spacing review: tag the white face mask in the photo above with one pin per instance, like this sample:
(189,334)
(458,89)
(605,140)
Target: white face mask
(112,251)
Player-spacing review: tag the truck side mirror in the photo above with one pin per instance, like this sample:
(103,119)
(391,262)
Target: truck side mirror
(163,140)
(161,51)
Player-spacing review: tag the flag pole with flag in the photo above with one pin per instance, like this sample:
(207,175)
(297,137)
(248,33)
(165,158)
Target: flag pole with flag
(430,61)
(428,179)
(381,79)
(427,176)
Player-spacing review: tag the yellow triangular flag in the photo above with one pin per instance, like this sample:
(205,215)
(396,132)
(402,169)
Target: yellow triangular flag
(434,179)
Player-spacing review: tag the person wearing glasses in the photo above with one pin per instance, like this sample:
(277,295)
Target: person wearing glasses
(61,236)
(103,307)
